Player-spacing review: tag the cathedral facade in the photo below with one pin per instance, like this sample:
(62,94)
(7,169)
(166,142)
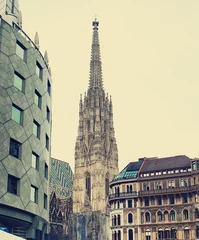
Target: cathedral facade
(96,155)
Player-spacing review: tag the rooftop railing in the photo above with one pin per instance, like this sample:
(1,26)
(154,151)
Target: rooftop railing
(123,195)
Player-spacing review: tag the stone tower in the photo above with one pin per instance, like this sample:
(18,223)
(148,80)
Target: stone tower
(96,155)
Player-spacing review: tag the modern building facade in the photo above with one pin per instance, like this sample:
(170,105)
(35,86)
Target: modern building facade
(61,183)
(156,198)
(25,128)
(96,155)
(61,178)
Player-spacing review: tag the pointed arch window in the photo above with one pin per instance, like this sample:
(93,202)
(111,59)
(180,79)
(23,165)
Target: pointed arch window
(114,220)
(159,216)
(147,217)
(172,215)
(196,213)
(130,234)
(88,185)
(186,233)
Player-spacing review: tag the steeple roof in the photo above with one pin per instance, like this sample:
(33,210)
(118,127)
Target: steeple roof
(95,63)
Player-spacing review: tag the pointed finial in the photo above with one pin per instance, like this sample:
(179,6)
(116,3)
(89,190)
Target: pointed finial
(46,57)
(37,39)
(20,19)
(95,23)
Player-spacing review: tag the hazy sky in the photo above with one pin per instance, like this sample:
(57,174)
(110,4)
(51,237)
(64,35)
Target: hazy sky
(150,59)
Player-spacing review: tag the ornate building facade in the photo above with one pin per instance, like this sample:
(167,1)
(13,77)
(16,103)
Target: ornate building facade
(156,199)
(96,155)
(25,128)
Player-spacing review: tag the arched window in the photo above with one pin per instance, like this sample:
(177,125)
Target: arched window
(130,234)
(196,213)
(173,233)
(118,219)
(131,189)
(148,234)
(119,235)
(130,218)
(160,233)
(159,216)
(115,235)
(186,233)
(185,214)
(114,220)
(88,185)
(172,215)
(147,217)
(107,185)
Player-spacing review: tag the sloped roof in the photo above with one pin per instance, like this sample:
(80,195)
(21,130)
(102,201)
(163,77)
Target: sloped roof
(129,172)
(168,163)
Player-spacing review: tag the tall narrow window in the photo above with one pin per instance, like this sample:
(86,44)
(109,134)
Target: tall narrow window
(107,185)
(37,99)
(18,81)
(159,216)
(49,87)
(13,7)
(148,234)
(13,183)
(88,185)
(16,114)
(130,233)
(15,148)
(48,114)
(34,194)
(39,70)
(36,129)
(45,201)
(119,235)
(47,142)
(130,218)
(46,171)
(119,220)
(172,215)
(185,214)
(35,161)
(147,217)
(20,50)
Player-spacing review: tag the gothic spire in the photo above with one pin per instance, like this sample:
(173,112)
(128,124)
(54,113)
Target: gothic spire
(95,63)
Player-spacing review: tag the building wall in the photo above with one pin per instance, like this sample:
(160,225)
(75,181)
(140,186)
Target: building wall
(158,195)
(20,165)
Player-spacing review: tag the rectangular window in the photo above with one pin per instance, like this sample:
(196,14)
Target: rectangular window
(34,194)
(18,81)
(15,148)
(48,114)
(35,161)
(39,70)
(159,200)
(184,198)
(47,142)
(146,202)
(13,183)
(129,203)
(171,199)
(37,99)
(49,88)
(20,50)
(17,114)
(46,171)
(45,201)
(36,129)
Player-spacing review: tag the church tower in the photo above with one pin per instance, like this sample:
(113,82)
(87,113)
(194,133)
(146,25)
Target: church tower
(96,155)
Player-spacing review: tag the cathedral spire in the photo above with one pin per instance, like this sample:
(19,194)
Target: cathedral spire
(95,63)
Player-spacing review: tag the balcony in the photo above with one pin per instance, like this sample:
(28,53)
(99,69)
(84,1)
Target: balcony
(122,195)
(169,191)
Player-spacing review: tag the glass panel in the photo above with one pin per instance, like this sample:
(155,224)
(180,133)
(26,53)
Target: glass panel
(18,82)
(14,148)
(32,194)
(16,115)
(37,99)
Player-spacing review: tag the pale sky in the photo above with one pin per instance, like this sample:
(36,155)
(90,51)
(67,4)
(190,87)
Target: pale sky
(150,59)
